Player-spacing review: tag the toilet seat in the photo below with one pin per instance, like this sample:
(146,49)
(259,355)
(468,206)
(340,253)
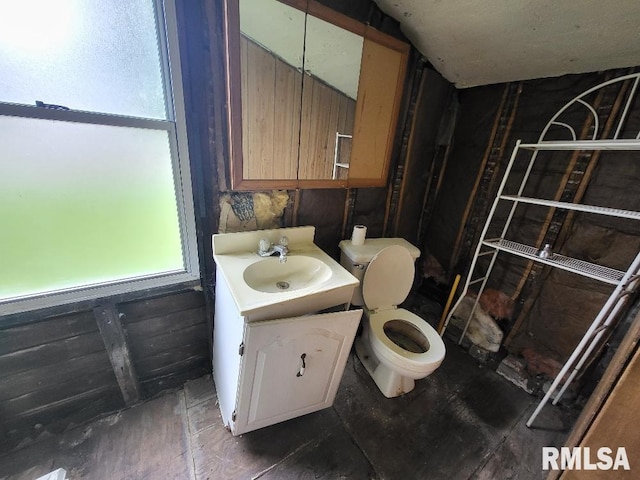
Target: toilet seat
(386,283)
(392,353)
(388,278)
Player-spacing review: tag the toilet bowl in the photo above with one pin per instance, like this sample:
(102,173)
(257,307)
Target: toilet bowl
(396,346)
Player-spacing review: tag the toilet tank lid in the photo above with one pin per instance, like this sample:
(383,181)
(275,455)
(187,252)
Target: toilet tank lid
(364,253)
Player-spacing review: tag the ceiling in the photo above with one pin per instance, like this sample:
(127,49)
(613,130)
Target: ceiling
(476,42)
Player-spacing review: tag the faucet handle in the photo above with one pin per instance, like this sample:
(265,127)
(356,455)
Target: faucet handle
(264,245)
(284,241)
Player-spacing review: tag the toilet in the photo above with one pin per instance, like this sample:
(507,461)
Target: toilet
(396,346)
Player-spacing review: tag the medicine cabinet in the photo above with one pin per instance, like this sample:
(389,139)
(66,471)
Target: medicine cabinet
(313,96)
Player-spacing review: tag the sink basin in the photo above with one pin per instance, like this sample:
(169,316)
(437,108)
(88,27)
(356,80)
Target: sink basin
(262,288)
(270,276)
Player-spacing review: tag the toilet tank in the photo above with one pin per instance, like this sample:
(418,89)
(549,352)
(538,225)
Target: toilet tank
(355,258)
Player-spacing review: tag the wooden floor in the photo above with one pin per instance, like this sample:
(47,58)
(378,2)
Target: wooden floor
(464,421)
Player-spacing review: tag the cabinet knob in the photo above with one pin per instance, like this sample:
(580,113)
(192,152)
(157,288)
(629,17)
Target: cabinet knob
(301,371)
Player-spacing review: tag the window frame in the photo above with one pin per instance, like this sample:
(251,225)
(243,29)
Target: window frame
(175,126)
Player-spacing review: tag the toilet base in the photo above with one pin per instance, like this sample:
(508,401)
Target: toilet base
(390,383)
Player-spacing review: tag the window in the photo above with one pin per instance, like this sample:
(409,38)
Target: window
(95,190)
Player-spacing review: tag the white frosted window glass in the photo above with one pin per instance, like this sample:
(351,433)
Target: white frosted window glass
(99,56)
(83,204)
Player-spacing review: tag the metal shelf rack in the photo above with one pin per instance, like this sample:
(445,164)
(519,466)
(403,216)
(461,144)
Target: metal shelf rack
(624,283)
(336,154)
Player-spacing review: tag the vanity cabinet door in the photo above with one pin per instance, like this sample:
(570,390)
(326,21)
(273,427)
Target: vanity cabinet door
(292,367)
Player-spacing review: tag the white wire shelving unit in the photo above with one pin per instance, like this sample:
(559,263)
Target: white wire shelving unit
(624,283)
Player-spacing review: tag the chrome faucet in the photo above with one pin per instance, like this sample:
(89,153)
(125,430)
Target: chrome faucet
(266,248)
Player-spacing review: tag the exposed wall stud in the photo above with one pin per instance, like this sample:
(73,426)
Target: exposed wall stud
(483,190)
(115,342)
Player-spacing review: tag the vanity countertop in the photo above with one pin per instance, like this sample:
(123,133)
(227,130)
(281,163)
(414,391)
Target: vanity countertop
(234,252)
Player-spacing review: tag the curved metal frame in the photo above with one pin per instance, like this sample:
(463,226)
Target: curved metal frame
(627,281)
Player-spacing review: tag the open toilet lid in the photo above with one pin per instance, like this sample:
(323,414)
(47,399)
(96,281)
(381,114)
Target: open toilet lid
(388,278)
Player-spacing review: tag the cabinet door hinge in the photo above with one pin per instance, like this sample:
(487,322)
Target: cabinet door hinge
(233,416)
(241,349)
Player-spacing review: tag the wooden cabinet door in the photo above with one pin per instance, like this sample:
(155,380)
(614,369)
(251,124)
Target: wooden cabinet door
(382,75)
(292,367)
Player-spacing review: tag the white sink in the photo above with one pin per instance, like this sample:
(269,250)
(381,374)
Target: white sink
(262,287)
(300,271)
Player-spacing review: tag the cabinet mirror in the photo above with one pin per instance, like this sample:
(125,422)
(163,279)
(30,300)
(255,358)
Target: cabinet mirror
(313,96)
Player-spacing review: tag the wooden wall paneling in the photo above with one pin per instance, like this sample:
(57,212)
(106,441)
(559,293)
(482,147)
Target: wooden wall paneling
(115,342)
(302,141)
(52,366)
(348,115)
(48,387)
(160,305)
(24,336)
(177,369)
(313,128)
(168,339)
(288,100)
(176,360)
(174,379)
(324,112)
(370,209)
(187,359)
(333,122)
(168,366)
(58,350)
(307,129)
(53,372)
(50,378)
(191,340)
(330,127)
(168,324)
(316,125)
(258,116)
(52,394)
(324,209)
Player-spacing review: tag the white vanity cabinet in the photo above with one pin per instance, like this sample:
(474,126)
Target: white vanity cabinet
(269,371)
